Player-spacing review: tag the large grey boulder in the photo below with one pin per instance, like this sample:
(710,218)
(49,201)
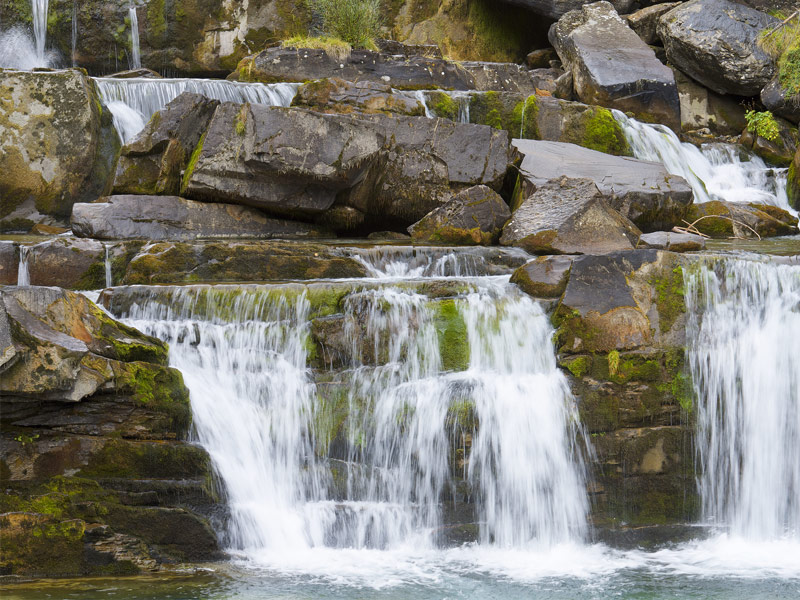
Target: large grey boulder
(672,241)
(544,276)
(570,216)
(703,109)
(611,66)
(715,43)
(57,146)
(556,8)
(152,162)
(295,162)
(474,216)
(124,217)
(336,95)
(777,100)
(644,21)
(642,191)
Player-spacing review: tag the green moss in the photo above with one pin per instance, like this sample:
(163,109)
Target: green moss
(487,109)
(669,299)
(462,414)
(442,105)
(452,332)
(147,460)
(187,173)
(603,133)
(240,125)
(574,332)
(579,366)
(523,121)
(159,389)
(156,29)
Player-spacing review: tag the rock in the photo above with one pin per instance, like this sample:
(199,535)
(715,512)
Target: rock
(544,277)
(9,263)
(642,191)
(715,43)
(611,66)
(136,74)
(295,162)
(474,216)
(540,58)
(777,151)
(674,242)
(305,64)
(396,48)
(720,219)
(777,100)
(68,263)
(152,162)
(793,183)
(570,216)
(645,20)
(181,262)
(557,8)
(703,109)
(338,96)
(500,77)
(553,82)
(57,146)
(621,301)
(125,217)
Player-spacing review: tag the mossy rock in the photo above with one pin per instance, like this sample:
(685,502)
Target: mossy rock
(452,332)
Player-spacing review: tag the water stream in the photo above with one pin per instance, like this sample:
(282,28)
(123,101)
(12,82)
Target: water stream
(136,59)
(23,274)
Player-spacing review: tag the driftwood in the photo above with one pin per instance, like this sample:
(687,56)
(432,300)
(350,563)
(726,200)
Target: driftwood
(782,24)
(690,227)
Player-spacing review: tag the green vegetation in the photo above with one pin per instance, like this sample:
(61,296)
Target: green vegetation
(335,47)
(669,299)
(762,124)
(783,44)
(355,22)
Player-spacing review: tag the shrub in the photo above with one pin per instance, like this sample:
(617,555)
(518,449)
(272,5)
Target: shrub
(763,124)
(357,22)
(783,44)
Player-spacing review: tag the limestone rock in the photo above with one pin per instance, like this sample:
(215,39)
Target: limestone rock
(473,216)
(544,277)
(611,66)
(720,219)
(715,43)
(645,20)
(172,218)
(674,242)
(701,108)
(338,96)
(152,162)
(57,146)
(642,191)
(570,216)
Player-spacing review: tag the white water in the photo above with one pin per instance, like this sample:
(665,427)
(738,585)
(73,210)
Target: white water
(107,265)
(136,59)
(462,98)
(133,101)
(39,12)
(23,275)
(745,361)
(715,171)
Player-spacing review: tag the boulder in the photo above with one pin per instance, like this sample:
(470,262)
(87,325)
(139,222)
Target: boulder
(540,58)
(306,64)
(338,96)
(611,66)
(296,162)
(57,146)
(500,77)
(544,276)
(776,99)
(642,191)
(152,162)
(124,217)
(672,241)
(557,8)
(779,150)
(720,219)
(570,216)
(9,263)
(703,109)
(645,20)
(474,216)
(715,43)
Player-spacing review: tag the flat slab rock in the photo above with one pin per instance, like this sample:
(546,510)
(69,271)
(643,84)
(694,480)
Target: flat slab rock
(544,276)
(612,66)
(640,190)
(670,240)
(173,218)
(570,216)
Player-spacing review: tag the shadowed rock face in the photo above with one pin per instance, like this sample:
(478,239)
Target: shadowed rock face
(776,99)
(569,216)
(732,219)
(714,42)
(611,66)
(172,218)
(642,191)
(57,146)
(556,8)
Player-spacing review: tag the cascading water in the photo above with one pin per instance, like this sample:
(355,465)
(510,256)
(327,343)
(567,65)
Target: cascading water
(23,274)
(107,265)
(39,12)
(715,171)
(270,425)
(136,59)
(743,336)
(133,101)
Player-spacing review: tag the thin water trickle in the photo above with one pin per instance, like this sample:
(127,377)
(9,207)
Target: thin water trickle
(23,274)
(136,59)
(107,265)
(39,12)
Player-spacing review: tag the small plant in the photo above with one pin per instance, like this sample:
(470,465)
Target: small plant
(762,124)
(334,47)
(783,44)
(357,22)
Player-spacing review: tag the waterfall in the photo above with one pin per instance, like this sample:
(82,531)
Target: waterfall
(107,265)
(23,274)
(715,171)
(462,98)
(136,60)
(743,352)
(133,101)
(74,34)
(39,11)
(269,422)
